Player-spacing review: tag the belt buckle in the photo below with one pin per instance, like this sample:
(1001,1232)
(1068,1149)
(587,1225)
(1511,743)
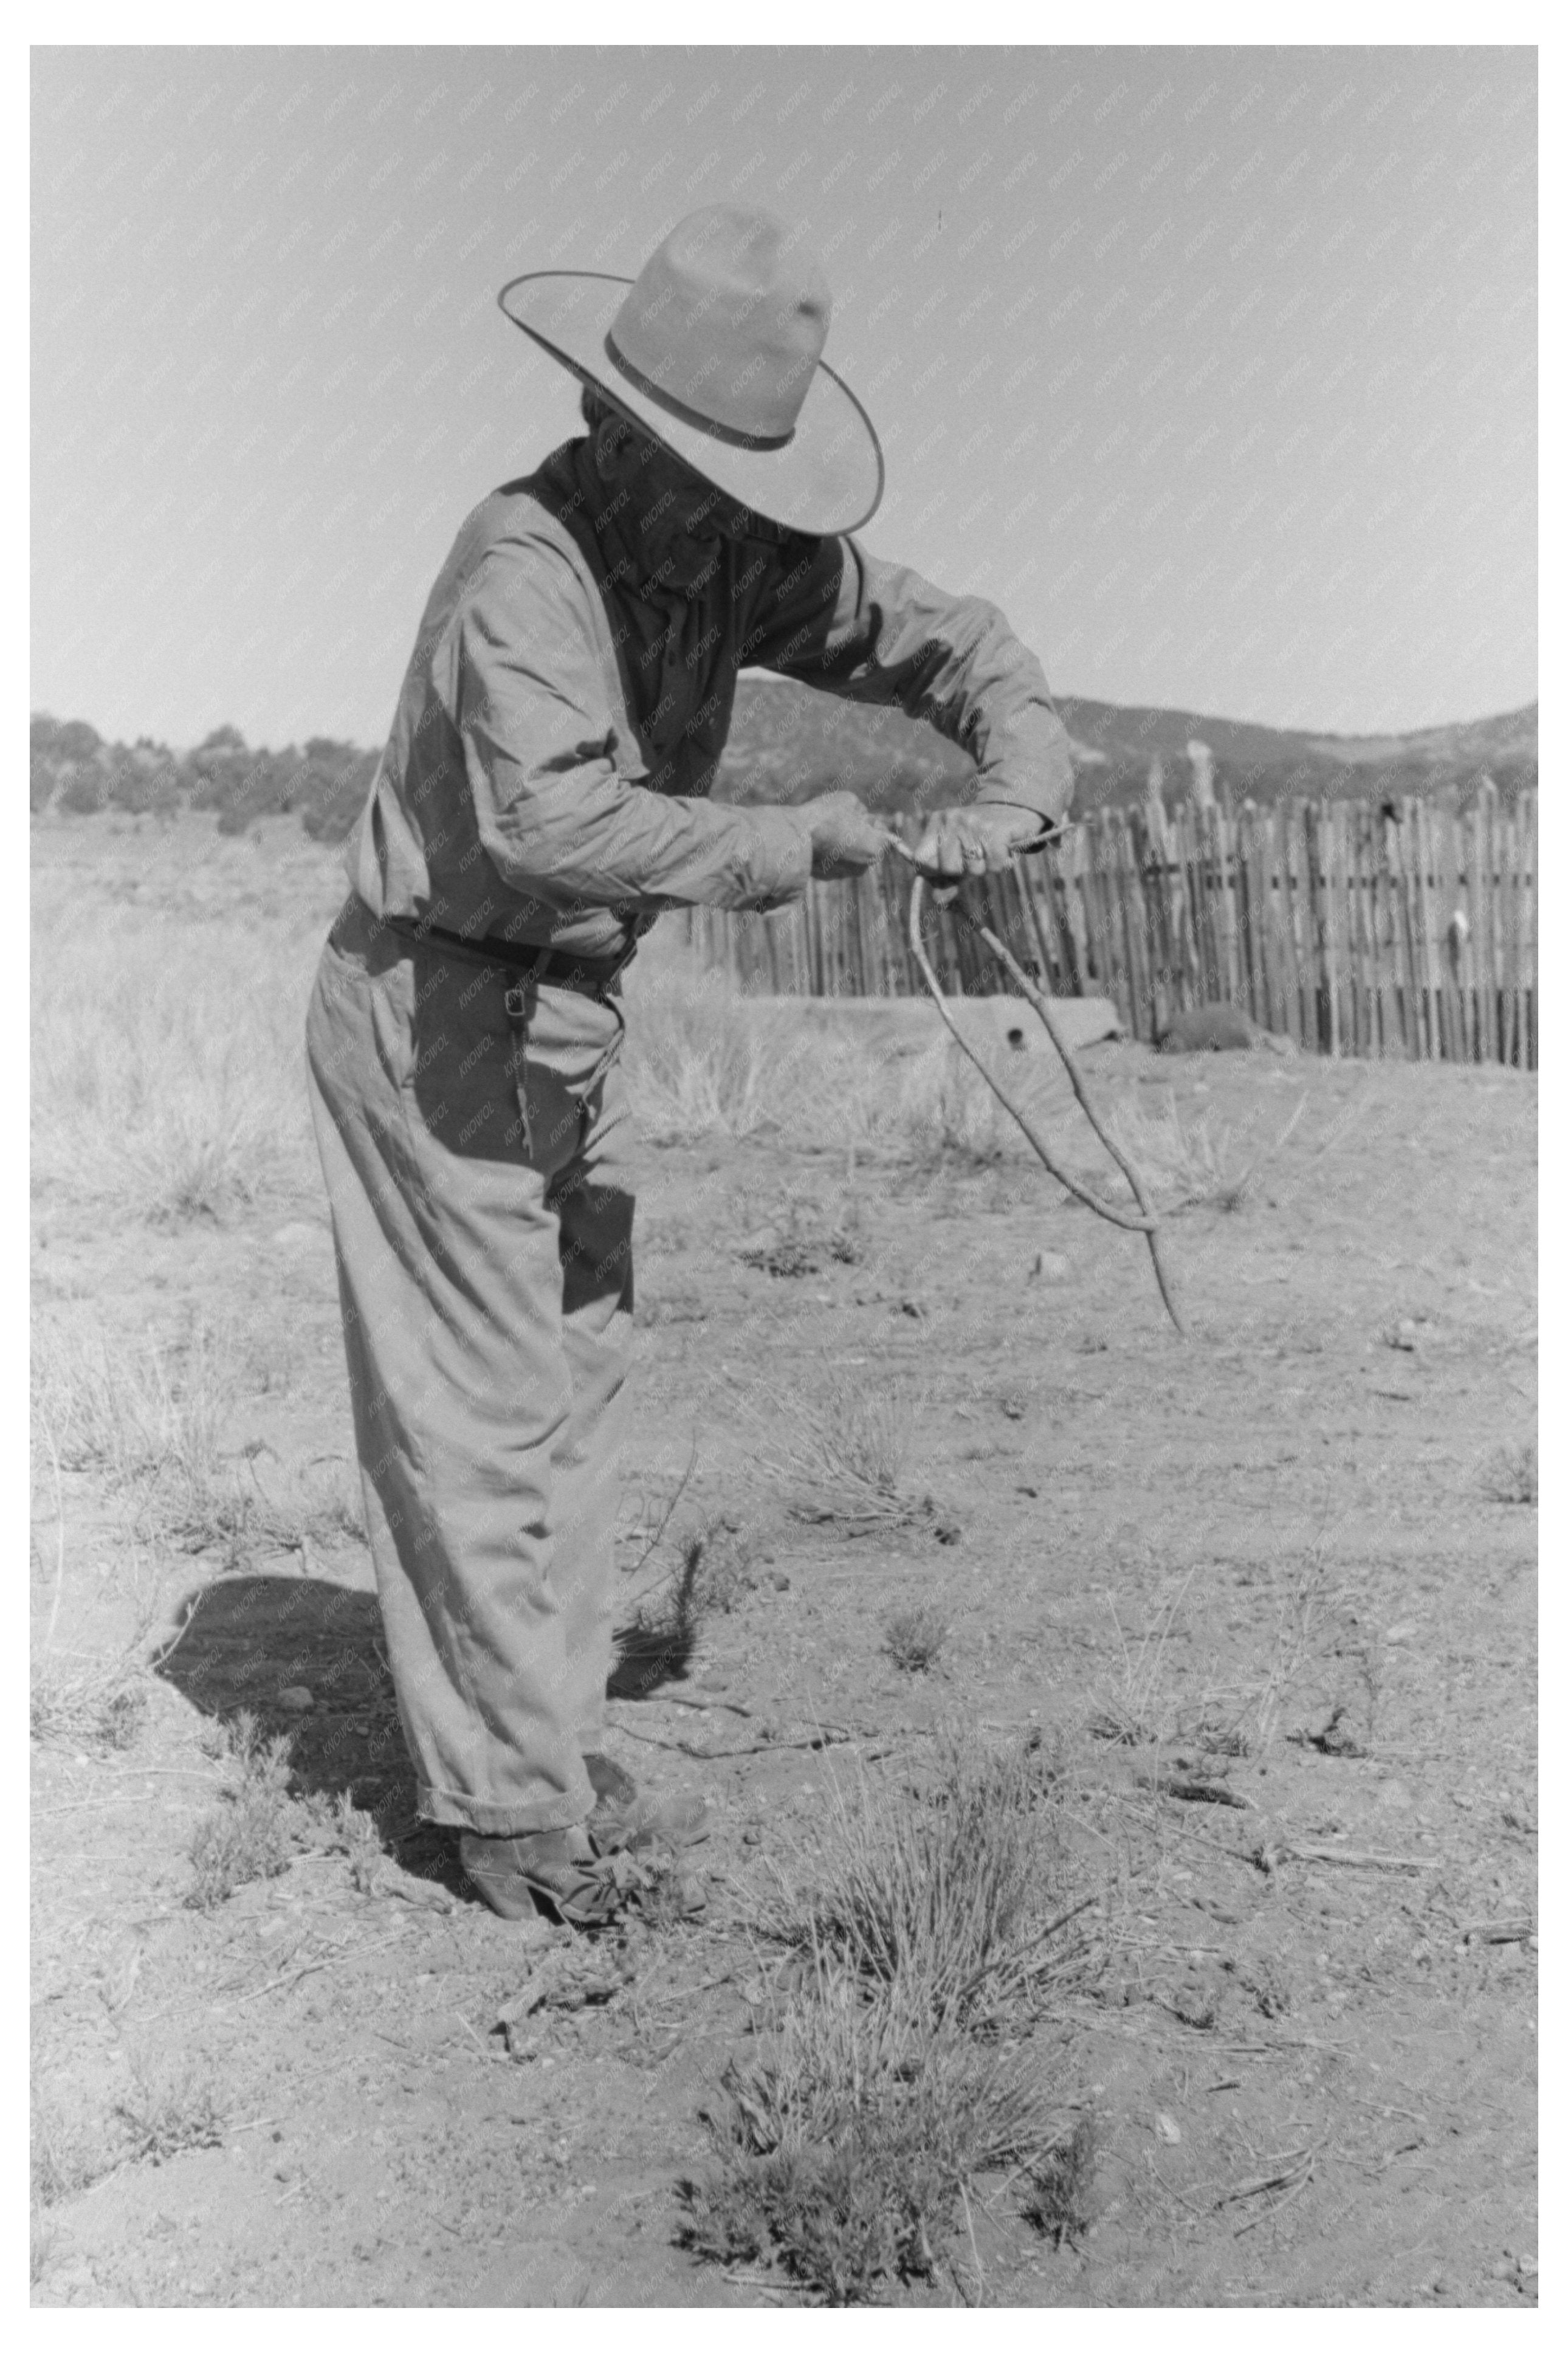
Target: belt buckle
(621,963)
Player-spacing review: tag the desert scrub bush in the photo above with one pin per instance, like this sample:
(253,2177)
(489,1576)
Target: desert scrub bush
(843,2156)
(168,1063)
(1510,1475)
(250,1834)
(914,1639)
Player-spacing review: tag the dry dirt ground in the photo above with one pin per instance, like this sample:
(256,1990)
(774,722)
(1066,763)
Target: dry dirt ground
(1269,1598)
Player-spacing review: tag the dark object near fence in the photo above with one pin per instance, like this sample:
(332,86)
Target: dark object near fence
(1210,1030)
(1329,923)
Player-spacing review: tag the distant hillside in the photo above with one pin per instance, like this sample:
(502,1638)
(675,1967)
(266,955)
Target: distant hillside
(788,743)
(1113,748)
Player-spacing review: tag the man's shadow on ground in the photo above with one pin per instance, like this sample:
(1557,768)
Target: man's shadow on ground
(245,1642)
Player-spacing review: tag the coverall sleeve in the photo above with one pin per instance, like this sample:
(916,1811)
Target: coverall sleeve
(539,738)
(874,632)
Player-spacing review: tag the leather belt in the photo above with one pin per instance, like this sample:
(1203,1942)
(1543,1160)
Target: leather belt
(556,967)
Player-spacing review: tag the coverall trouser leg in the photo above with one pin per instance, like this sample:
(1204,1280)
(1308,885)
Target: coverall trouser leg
(481,1203)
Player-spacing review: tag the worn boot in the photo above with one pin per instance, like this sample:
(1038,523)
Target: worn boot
(624,1818)
(563,1867)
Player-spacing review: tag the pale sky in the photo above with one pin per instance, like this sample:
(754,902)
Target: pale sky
(1215,368)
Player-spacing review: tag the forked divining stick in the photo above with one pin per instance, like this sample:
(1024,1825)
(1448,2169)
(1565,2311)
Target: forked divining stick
(1144,1220)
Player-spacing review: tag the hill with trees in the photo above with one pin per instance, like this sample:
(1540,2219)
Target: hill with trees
(75,770)
(788,743)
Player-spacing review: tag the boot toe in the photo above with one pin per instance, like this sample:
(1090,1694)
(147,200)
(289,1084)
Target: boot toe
(559,1867)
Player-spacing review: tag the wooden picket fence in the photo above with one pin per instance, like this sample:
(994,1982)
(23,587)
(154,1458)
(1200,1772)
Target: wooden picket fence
(1354,928)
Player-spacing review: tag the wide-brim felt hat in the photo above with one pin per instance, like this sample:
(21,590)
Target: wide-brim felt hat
(715,349)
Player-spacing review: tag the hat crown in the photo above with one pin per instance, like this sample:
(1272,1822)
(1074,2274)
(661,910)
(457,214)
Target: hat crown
(727,321)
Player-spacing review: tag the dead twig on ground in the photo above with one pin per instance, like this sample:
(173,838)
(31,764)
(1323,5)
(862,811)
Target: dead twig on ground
(1354,1857)
(326,1962)
(1290,2177)
(1195,1791)
(677,1699)
(973,2248)
(1165,1827)
(827,1739)
(1170,2187)
(1281,2171)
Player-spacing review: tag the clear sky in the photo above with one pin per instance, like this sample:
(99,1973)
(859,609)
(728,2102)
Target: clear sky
(1214,367)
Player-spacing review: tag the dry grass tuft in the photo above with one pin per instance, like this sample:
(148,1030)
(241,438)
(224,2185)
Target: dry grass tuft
(1060,2184)
(887,2083)
(361,1840)
(843,1449)
(161,2121)
(699,1062)
(1195,1163)
(700,1059)
(137,1414)
(87,1708)
(63,2160)
(168,1065)
(914,1639)
(948,1896)
(1510,1475)
(803,1241)
(843,2157)
(251,1834)
(1136,1707)
(1301,1601)
(949,1113)
(149,1419)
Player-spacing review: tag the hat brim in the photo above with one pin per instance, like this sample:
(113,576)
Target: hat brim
(827,479)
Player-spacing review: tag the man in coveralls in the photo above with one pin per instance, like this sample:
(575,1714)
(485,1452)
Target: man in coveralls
(544,795)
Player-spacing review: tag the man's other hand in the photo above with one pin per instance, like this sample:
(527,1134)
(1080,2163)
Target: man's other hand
(845,837)
(980,838)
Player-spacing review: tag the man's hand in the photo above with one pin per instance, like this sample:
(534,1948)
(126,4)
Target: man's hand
(845,837)
(979,839)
